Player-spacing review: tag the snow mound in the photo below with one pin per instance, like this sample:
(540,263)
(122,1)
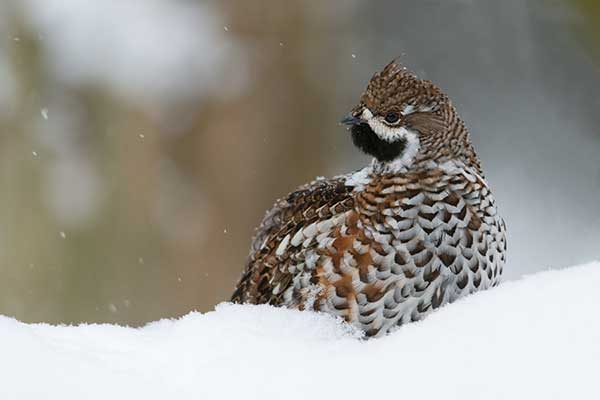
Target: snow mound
(537,338)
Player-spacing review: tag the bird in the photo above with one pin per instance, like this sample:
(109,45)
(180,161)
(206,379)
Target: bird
(415,229)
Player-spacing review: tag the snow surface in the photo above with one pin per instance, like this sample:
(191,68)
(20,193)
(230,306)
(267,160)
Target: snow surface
(537,338)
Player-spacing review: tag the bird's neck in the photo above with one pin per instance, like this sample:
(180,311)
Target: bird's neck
(431,152)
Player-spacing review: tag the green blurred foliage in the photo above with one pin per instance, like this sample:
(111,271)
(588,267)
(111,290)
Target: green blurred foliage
(589,29)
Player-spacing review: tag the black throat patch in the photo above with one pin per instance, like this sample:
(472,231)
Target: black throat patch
(365,139)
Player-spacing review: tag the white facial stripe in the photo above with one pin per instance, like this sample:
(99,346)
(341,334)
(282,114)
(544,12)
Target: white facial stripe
(385,132)
(411,150)
(391,134)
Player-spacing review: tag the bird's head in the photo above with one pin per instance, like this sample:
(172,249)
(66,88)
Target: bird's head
(401,117)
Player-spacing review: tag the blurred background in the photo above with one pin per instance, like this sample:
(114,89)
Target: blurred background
(141,141)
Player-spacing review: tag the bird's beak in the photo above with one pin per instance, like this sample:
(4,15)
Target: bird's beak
(351,120)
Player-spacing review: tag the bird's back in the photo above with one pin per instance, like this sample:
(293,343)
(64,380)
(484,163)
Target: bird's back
(379,254)
(287,235)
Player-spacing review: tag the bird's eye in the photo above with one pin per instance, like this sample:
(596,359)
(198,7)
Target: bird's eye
(392,117)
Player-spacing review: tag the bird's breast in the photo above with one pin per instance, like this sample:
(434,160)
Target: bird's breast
(409,246)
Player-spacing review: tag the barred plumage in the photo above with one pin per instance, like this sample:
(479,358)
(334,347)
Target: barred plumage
(416,229)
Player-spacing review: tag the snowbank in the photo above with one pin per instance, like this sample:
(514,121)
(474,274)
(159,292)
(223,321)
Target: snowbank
(538,338)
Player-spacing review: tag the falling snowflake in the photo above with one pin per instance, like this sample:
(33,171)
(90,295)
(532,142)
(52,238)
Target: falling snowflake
(63,235)
(44,112)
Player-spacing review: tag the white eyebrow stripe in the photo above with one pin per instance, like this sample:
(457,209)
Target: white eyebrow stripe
(408,109)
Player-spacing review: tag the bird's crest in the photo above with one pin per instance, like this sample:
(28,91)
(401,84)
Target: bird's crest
(397,86)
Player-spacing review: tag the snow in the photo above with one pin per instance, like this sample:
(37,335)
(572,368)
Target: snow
(536,338)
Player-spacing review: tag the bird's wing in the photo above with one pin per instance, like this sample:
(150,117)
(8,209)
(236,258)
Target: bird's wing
(279,244)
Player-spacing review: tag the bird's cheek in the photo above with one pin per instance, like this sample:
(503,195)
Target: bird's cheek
(408,125)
